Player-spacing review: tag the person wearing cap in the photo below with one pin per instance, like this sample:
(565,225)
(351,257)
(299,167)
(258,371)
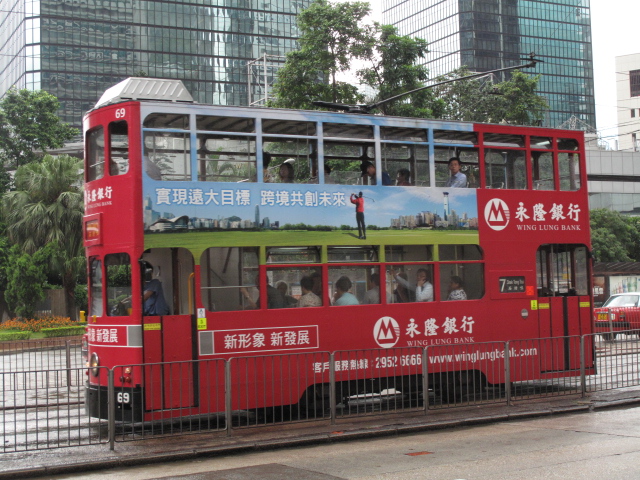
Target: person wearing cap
(358,201)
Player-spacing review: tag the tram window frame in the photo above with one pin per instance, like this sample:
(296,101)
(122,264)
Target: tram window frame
(409,291)
(346,165)
(242,159)
(457,252)
(505,169)
(117,136)
(337,254)
(175,121)
(118,284)
(303,159)
(216,123)
(469,160)
(569,171)
(291,276)
(211,281)
(472,275)
(416,162)
(562,270)
(359,277)
(542,170)
(94,139)
(293,255)
(180,149)
(96,307)
(409,253)
(288,127)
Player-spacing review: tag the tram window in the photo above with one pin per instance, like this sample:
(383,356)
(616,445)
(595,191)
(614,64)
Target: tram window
(167,156)
(286,127)
(408,253)
(294,287)
(406,164)
(545,143)
(562,270)
(226,158)
(401,133)
(459,252)
(468,160)
(346,159)
(505,169)
(95,286)
(228,275)
(95,153)
(167,120)
(119,148)
(461,281)
(348,285)
(543,175)
(225,124)
(569,169)
(118,270)
(284,255)
(502,140)
(292,160)
(352,254)
(567,144)
(410,283)
(345,130)
(453,136)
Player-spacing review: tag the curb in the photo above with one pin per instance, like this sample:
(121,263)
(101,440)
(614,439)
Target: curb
(311,439)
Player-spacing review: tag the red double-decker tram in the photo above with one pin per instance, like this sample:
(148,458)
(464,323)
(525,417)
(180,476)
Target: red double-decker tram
(217,232)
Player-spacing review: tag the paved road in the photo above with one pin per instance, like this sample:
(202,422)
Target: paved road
(596,445)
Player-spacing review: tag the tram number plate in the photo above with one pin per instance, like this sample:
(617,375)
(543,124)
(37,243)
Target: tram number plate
(603,316)
(123,397)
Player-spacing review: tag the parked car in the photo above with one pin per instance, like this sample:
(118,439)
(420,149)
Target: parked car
(621,312)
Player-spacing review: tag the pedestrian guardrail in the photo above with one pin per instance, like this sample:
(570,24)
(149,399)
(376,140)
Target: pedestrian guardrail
(43,387)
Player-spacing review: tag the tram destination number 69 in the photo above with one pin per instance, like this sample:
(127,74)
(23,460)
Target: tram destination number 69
(123,397)
(394,361)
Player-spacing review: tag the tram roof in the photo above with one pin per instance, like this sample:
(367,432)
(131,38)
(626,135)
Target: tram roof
(142,88)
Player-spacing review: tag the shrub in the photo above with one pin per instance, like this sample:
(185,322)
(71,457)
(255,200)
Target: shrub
(63,331)
(36,325)
(8,336)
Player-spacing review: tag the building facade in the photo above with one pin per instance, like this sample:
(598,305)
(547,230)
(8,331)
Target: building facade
(628,94)
(76,49)
(486,35)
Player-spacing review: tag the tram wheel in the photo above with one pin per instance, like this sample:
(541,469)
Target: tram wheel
(609,337)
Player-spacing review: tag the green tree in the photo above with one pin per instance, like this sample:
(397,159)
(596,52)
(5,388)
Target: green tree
(393,70)
(30,125)
(478,100)
(331,36)
(47,208)
(26,279)
(614,237)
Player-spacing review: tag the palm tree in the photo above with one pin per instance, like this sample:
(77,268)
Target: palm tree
(47,208)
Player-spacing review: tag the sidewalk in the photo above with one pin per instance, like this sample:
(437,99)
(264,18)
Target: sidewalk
(36,463)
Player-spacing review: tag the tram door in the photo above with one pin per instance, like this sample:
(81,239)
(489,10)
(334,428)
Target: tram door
(169,338)
(563,304)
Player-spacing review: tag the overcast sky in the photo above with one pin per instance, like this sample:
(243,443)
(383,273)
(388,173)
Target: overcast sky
(616,31)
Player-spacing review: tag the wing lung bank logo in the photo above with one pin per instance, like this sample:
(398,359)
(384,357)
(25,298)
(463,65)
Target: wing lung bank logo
(386,332)
(496,214)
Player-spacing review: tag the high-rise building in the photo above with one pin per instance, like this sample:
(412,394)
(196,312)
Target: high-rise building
(628,93)
(76,49)
(486,35)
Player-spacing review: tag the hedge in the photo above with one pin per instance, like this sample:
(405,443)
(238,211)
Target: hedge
(8,336)
(63,331)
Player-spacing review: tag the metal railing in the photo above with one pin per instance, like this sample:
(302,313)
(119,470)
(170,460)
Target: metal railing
(44,407)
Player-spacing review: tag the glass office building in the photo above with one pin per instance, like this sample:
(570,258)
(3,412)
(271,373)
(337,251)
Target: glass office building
(490,34)
(75,49)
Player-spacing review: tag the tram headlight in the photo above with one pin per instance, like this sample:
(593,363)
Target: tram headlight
(94,363)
